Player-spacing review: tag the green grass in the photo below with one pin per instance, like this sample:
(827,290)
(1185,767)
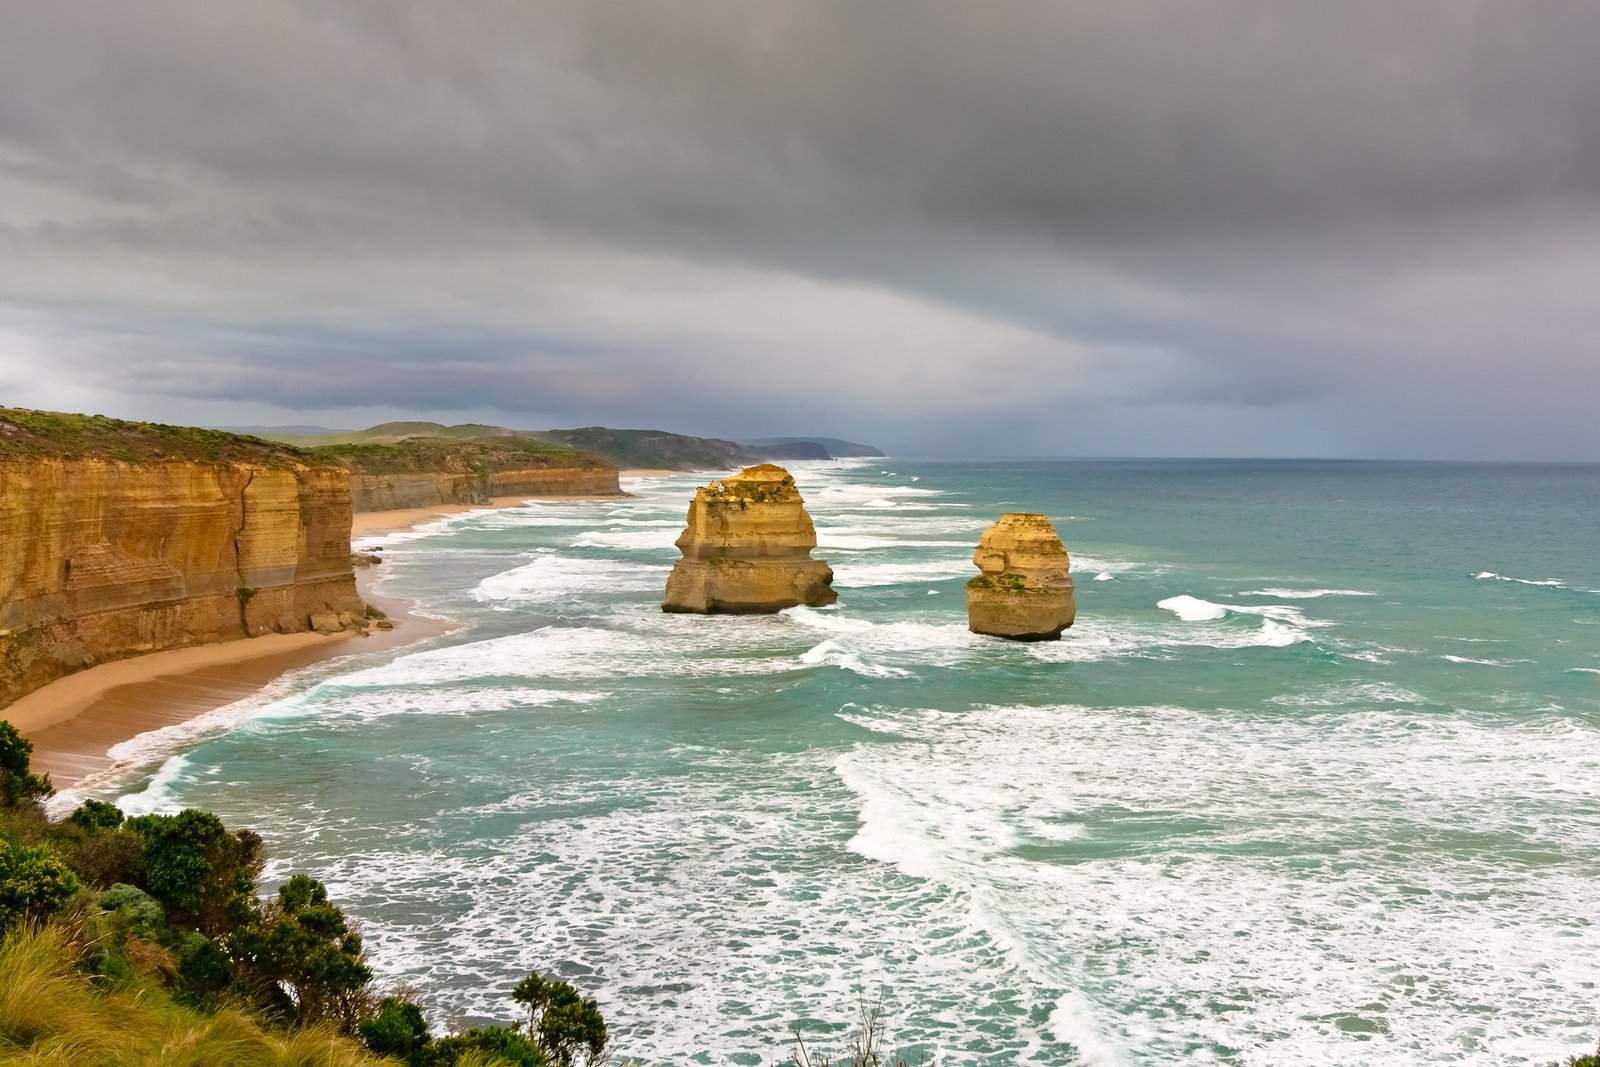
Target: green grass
(392,432)
(621,448)
(26,434)
(438,454)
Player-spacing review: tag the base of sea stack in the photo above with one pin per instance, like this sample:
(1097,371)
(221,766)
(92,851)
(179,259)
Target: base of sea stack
(747,587)
(1019,615)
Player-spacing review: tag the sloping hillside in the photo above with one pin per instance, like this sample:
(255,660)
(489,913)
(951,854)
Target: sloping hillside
(657,448)
(833,447)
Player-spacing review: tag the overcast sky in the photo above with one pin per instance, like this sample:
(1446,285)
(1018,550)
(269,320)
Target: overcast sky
(1041,228)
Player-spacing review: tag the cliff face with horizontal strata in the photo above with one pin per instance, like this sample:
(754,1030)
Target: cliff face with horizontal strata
(176,544)
(425,472)
(386,490)
(747,549)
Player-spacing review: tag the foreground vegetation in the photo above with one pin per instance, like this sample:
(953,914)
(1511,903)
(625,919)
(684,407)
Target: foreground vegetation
(145,941)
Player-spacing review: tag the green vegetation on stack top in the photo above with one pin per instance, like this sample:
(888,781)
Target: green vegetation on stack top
(29,434)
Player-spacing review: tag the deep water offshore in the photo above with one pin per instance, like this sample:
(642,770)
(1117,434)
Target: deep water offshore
(1312,780)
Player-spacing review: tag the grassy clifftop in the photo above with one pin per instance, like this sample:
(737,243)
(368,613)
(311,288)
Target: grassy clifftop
(391,448)
(26,434)
(442,454)
(394,443)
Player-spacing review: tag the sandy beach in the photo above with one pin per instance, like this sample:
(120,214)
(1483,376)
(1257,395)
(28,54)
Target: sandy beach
(375,523)
(75,721)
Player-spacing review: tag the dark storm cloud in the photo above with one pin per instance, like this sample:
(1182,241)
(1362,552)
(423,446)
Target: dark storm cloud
(1215,227)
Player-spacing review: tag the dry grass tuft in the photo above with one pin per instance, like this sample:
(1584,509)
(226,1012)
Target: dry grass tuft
(52,1014)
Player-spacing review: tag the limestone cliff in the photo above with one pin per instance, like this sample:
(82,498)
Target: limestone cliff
(1024,592)
(382,491)
(423,472)
(123,538)
(747,549)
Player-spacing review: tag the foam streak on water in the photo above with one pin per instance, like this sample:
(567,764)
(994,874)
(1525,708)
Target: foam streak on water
(1295,788)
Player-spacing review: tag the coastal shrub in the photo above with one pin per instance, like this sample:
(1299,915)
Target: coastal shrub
(34,882)
(103,858)
(306,957)
(562,1022)
(95,815)
(562,1028)
(485,1044)
(397,1029)
(18,787)
(134,938)
(203,875)
(204,973)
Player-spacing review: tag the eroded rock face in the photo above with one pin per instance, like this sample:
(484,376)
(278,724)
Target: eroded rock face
(102,559)
(747,549)
(1024,592)
(387,490)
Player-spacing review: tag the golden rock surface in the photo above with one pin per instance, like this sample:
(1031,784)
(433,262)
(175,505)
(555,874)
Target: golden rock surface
(747,549)
(1024,592)
(423,489)
(102,559)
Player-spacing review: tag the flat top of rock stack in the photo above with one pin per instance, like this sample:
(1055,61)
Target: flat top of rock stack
(1021,541)
(755,513)
(764,481)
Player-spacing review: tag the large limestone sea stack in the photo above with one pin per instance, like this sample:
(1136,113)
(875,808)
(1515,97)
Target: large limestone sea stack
(747,549)
(1024,592)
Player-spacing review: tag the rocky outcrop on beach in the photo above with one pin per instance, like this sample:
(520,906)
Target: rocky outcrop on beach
(747,549)
(1024,592)
(123,538)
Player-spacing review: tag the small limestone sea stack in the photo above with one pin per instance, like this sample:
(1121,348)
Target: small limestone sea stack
(1024,592)
(747,549)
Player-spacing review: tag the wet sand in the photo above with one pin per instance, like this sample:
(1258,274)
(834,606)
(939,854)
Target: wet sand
(75,721)
(375,523)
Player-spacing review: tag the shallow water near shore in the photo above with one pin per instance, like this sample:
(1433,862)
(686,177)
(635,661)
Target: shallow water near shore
(1313,778)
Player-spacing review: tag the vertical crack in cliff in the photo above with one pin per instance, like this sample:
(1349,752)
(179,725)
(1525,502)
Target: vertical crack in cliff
(242,591)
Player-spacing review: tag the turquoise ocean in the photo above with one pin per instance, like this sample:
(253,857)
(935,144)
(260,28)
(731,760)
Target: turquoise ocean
(1314,779)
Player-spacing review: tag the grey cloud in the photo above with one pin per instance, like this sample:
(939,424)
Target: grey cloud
(1195,228)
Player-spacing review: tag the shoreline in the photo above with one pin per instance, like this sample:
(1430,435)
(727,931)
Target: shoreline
(76,722)
(378,523)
